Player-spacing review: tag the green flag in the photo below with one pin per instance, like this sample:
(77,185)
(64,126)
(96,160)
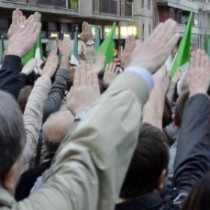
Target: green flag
(75,53)
(107,47)
(97,37)
(39,52)
(35,52)
(29,56)
(183,52)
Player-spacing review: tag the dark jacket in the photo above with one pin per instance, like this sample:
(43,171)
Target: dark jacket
(56,94)
(192,160)
(11,80)
(150,201)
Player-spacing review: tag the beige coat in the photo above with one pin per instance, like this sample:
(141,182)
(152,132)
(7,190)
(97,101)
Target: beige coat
(88,171)
(33,118)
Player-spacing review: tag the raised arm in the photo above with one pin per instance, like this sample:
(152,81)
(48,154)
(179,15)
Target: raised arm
(57,91)
(22,36)
(192,159)
(34,109)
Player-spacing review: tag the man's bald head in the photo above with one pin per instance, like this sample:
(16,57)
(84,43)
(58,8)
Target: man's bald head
(57,126)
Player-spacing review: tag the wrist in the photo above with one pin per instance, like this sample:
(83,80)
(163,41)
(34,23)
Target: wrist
(143,73)
(196,92)
(64,64)
(81,114)
(14,52)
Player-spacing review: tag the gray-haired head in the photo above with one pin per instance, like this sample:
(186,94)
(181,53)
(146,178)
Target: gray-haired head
(12,132)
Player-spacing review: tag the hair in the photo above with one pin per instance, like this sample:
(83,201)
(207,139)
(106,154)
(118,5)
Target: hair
(167,114)
(150,158)
(180,104)
(198,199)
(12,132)
(23,97)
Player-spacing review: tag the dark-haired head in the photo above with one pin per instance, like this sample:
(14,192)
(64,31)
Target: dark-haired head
(12,139)
(147,171)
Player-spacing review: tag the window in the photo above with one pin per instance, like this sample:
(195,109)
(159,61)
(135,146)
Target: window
(149,4)
(73,4)
(171,13)
(150,29)
(142,3)
(143,32)
(179,16)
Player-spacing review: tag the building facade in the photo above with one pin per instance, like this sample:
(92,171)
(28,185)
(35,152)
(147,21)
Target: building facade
(179,10)
(143,12)
(147,13)
(67,15)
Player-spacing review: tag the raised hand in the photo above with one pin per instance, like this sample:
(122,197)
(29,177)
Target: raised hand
(18,20)
(24,37)
(154,107)
(126,54)
(198,78)
(161,79)
(85,89)
(152,53)
(110,73)
(50,66)
(65,47)
(86,34)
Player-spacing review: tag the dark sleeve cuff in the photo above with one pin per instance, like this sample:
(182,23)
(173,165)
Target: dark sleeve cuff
(12,62)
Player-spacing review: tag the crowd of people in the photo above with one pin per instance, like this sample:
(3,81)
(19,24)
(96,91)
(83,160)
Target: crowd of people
(93,137)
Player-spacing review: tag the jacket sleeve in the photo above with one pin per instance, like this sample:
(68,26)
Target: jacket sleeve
(88,172)
(192,159)
(56,94)
(10,77)
(33,117)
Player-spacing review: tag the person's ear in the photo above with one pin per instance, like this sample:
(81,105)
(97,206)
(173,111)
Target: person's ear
(162,180)
(10,178)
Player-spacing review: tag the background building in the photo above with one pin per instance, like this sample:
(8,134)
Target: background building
(67,15)
(145,14)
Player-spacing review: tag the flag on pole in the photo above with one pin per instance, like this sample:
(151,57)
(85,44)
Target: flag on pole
(75,53)
(107,47)
(97,37)
(183,52)
(39,52)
